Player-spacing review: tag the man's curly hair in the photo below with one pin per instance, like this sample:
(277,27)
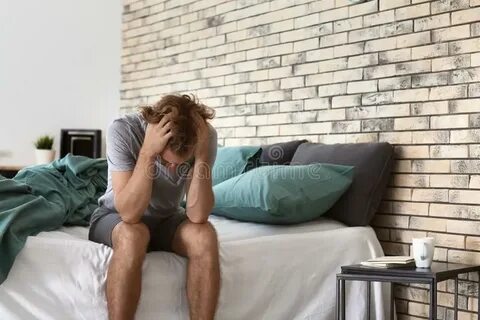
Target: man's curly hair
(181,110)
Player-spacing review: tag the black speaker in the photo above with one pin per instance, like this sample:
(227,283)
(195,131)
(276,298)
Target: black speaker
(81,142)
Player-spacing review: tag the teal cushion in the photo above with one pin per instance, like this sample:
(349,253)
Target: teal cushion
(232,161)
(282,194)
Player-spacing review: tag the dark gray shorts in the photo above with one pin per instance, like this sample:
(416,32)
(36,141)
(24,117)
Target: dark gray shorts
(162,230)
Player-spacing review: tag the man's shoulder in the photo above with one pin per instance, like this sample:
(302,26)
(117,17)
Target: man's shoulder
(126,123)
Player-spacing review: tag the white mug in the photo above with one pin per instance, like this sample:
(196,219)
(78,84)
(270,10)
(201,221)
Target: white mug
(423,249)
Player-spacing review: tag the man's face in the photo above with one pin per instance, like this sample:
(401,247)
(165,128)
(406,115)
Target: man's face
(171,160)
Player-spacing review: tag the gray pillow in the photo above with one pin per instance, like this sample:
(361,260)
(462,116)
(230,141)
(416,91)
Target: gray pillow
(279,153)
(373,163)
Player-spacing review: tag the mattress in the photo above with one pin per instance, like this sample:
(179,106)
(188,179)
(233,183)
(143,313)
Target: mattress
(268,272)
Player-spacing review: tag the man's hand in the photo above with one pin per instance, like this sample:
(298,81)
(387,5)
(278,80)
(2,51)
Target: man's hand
(157,136)
(201,149)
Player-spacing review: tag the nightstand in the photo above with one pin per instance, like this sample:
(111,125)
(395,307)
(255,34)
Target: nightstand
(10,171)
(437,273)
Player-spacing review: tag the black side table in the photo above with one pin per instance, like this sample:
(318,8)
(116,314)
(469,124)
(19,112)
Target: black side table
(437,273)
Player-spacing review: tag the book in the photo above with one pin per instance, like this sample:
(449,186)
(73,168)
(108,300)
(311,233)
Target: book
(390,262)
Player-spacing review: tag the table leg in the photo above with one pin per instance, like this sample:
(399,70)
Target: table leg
(337,307)
(368,299)
(342,298)
(392,301)
(433,300)
(455,303)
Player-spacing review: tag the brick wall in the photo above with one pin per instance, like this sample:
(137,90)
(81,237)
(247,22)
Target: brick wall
(335,71)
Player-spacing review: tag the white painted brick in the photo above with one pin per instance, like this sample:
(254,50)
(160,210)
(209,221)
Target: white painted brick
(317,103)
(304,93)
(293,82)
(465,46)
(410,95)
(474,182)
(317,128)
(396,137)
(278,73)
(432,22)
(334,39)
(412,67)
(348,49)
(396,28)
(395,55)
(475,59)
(430,51)
(449,181)
(463,16)
(332,90)
(305,68)
(464,196)
(465,106)
(430,137)
(294,58)
(448,63)
(320,78)
(306,21)
(291,106)
(264,131)
(347,24)
(362,86)
(394,83)
(452,33)
(305,45)
(380,44)
(448,92)
(389,4)
(379,18)
(451,121)
(450,151)
(363,60)
(394,110)
(364,34)
(465,136)
(411,152)
(414,39)
(380,71)
(377,98)
(430,195)
(410,208)
(430,224)
(266,96)
(333,15)
(426,108)
(333,114)
(319,54)
(430,79)
(363,8)
(346,101)
(245,131)
(414,11)
(448,5)
(431,166)
(414,123)
(331,65)
(347,75)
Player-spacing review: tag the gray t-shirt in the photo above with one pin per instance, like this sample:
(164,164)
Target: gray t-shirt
(124,141)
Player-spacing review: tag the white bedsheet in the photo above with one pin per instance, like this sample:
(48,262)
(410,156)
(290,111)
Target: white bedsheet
(268,272)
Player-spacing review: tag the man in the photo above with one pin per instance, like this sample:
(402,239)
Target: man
(155,157)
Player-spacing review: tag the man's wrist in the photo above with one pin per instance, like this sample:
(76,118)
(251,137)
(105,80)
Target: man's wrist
(148,154)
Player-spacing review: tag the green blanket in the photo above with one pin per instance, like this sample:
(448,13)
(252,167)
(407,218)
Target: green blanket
(45,197)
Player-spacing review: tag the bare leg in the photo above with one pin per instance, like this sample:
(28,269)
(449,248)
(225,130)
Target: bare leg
(198,242)
(124,277)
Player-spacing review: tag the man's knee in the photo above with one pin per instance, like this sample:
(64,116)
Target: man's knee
(130,237)
(201,239)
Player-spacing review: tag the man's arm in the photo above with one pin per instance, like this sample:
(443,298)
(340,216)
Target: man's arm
(200,198)
(133,189)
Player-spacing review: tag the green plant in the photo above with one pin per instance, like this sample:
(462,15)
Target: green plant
(44,142)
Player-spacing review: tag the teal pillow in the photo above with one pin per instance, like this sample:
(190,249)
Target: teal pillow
(282,194)
(232,161)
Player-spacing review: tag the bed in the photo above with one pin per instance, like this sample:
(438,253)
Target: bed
(268,272)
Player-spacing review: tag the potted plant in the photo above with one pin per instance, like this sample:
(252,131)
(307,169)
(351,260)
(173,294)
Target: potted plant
(44,152)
